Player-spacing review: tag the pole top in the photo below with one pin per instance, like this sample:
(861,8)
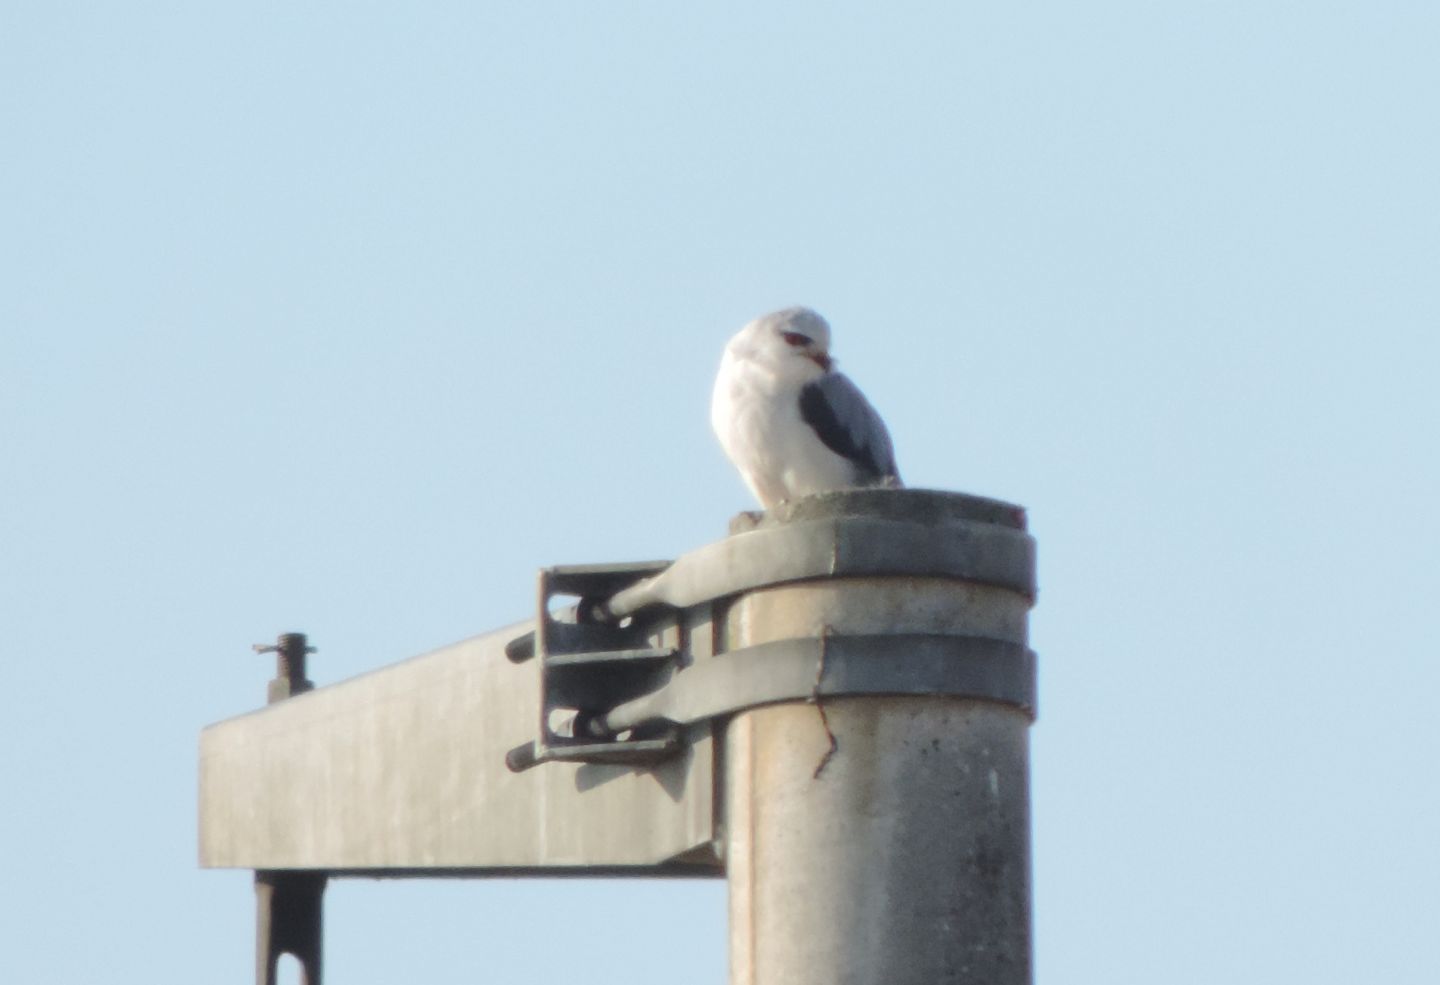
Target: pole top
(930,507)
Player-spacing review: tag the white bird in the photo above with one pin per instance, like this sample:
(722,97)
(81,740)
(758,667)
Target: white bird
(790,423)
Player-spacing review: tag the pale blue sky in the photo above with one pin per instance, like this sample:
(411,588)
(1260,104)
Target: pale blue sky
(346,318)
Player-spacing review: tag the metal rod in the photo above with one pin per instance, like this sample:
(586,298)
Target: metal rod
(289,920)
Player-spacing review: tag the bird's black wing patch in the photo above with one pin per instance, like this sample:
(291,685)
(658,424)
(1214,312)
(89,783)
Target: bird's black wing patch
(846,423)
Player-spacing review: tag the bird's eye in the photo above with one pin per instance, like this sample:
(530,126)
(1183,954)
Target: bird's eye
(795,338)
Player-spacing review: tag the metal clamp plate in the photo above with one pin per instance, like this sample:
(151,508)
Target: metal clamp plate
(837,548)
(587,667)
(832,666)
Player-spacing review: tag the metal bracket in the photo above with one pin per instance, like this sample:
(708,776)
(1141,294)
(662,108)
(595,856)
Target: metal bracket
(588,666)
(289,919)
(618,685)
(628,702)
(991,553)
(833,666)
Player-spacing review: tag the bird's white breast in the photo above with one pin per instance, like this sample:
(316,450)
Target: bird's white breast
(756,416)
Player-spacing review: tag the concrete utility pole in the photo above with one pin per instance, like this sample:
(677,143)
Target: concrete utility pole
(830,708)
(887,839)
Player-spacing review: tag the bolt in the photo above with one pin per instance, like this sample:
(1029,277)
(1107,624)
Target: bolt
(290,650)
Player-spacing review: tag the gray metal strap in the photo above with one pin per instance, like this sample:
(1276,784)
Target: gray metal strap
(849,546)
(787,670)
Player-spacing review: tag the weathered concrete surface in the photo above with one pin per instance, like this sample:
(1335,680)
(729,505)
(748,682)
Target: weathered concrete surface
(901,853)
(906,861)
(403,769)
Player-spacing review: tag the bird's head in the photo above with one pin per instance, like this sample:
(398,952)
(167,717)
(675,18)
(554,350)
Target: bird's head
(793,343)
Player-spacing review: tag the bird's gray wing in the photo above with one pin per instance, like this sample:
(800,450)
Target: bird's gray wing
(844,420)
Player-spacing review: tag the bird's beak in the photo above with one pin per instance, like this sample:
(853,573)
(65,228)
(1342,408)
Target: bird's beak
(821,359)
